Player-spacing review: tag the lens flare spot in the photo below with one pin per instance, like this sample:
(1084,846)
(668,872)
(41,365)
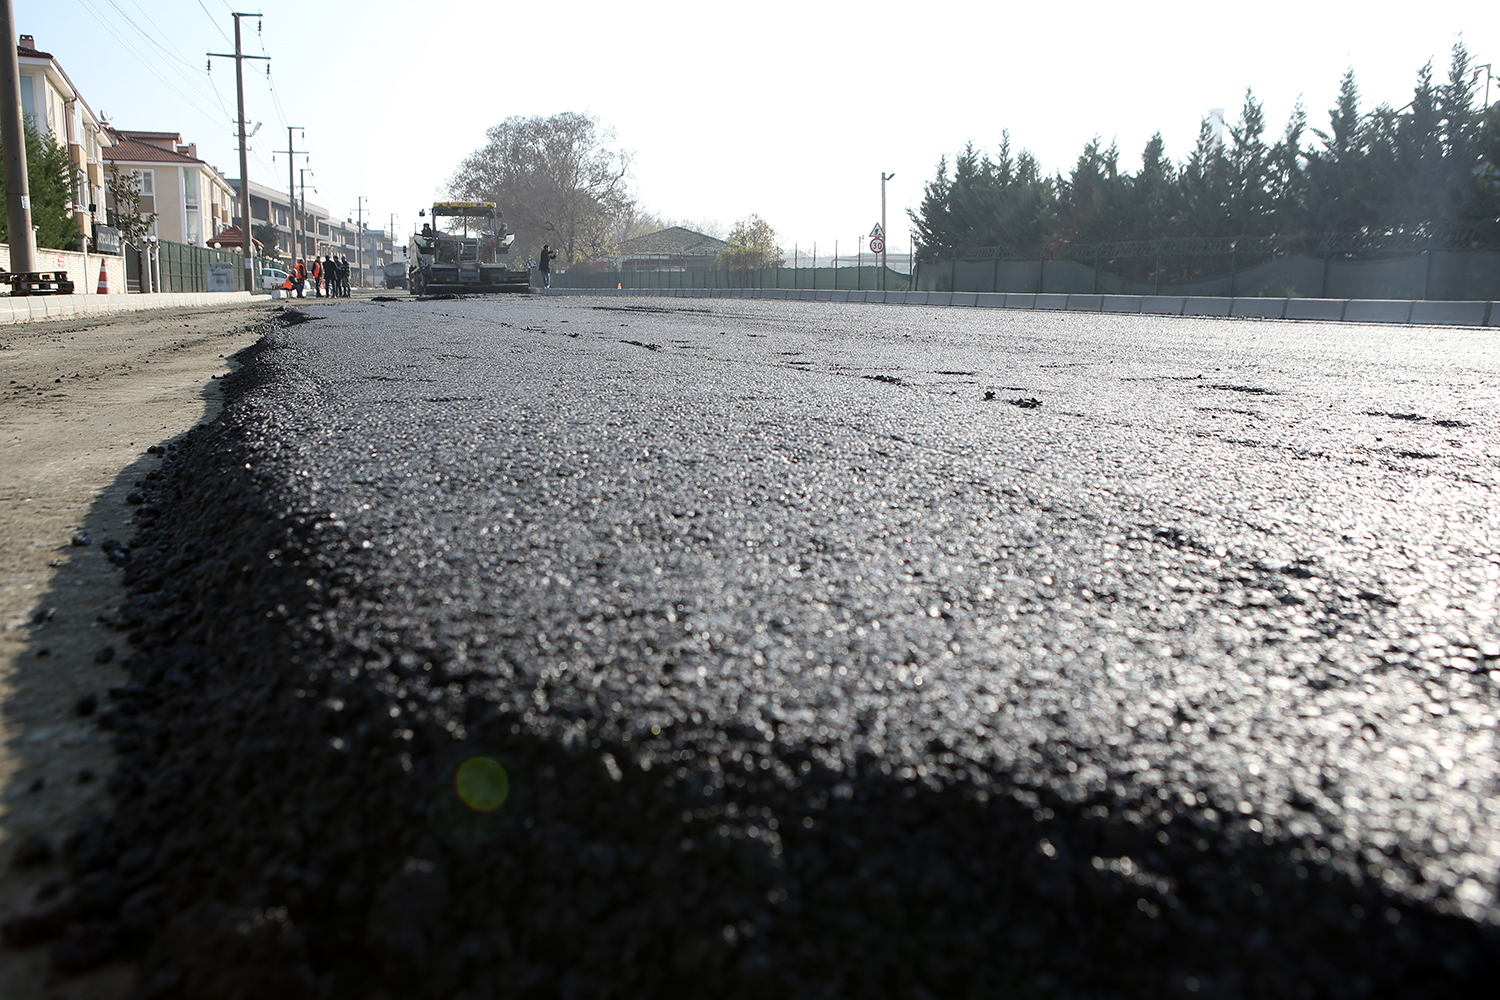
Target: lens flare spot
(482,784)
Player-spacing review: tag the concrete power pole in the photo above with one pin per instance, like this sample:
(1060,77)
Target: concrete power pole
(239,58)
(359,238)
(302,199)
(291,152)
(13,135)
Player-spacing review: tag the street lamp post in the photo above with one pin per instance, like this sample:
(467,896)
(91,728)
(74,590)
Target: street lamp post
(883,178)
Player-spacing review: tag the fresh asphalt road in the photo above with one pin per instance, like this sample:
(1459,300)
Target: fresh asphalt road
(1233,578)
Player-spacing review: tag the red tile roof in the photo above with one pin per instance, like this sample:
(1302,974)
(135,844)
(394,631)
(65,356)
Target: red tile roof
(230,239)
(130,150)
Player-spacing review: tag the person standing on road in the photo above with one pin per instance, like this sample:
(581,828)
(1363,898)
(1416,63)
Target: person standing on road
(344,275)
(317,278)
(299,276)
(331,275)
(544,264)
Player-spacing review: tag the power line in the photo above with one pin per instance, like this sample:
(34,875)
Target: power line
(176,53)
(215,23)
(147,64)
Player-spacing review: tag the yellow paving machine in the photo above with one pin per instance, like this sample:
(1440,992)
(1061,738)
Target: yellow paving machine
(462,249)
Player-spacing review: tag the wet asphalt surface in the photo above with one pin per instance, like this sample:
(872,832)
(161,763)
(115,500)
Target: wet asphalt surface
(841,650)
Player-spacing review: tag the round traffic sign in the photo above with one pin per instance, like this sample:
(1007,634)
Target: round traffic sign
(877,245)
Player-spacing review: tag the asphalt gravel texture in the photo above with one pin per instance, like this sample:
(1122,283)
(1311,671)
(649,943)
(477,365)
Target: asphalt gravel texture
(830,650)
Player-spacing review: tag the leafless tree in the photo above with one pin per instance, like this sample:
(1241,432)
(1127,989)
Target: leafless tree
(559,180)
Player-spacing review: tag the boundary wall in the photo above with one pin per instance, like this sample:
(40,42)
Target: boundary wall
(82,268)
(24,309)
(1414,312)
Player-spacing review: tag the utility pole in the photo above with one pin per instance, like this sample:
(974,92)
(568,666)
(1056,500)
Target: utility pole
(883,178)
(239,58)
(13,135)
(302,187)
(291,189)
(359,236)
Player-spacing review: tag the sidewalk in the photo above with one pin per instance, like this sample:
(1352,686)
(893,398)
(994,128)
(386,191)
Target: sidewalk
(25,309)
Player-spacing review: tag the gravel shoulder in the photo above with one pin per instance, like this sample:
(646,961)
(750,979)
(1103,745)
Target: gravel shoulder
(81,401)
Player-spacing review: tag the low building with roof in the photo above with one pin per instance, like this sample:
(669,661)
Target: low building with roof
(671,249)
(192,200)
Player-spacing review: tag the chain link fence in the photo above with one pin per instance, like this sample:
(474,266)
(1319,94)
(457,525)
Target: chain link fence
(1430,264)
(184,268)
(867,278)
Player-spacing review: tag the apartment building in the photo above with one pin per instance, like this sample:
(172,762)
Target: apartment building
(317,234)
(190,198)
(51,104)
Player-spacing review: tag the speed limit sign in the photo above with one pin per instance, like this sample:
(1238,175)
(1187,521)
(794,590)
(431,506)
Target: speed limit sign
(877,245)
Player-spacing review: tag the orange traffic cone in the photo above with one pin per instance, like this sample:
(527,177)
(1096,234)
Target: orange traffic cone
(103,278)
(618,286)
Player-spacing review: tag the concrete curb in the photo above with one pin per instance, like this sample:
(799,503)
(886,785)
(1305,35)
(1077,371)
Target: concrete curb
(1401,312)
(30,308)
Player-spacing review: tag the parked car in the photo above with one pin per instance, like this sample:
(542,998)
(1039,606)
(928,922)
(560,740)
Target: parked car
(273,277)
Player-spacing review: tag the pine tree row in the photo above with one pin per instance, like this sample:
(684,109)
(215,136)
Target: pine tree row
(1431,165)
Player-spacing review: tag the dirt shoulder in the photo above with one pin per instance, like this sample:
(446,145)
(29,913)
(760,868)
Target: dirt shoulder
(81,401)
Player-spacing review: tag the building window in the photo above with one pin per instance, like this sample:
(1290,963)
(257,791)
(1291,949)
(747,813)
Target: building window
(148,182)
(28,100)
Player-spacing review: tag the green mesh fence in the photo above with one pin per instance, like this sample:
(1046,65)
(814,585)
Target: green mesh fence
(848,278)
(1472,275)
(184,268)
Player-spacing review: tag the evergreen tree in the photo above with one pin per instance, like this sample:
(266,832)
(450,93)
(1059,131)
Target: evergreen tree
(1412,156)
(269,238)
(1483,207)
(1341,194)
(1092,200)
(1152,203)
(1205,188)
(1433,163)
(1287,179)
(1247,181)
(52,181)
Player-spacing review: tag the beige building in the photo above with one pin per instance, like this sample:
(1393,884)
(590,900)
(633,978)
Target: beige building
(51,103)
(191,199)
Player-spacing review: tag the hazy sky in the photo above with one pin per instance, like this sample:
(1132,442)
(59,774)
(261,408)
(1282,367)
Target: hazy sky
(788,110)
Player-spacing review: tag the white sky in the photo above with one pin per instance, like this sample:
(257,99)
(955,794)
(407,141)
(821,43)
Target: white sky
(788,110)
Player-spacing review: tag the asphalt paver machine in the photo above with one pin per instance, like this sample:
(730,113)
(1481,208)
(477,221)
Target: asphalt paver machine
(462,249)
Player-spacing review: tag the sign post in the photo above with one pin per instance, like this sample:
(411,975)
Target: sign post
(880,229)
